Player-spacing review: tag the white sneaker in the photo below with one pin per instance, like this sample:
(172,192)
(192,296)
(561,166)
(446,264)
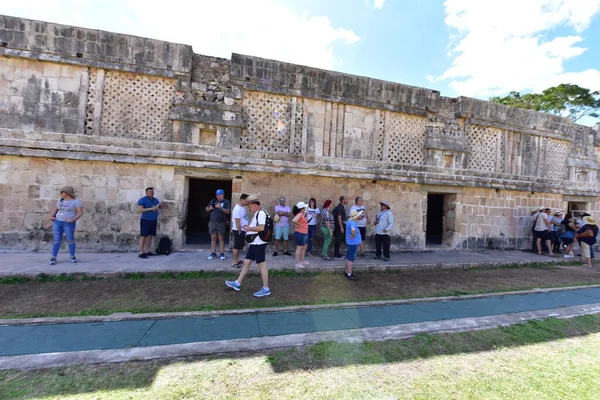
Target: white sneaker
(299,265)
(568,256)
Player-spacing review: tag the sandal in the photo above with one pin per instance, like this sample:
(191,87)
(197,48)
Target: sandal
(238,264)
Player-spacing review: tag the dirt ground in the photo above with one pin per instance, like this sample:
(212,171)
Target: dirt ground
(110,295)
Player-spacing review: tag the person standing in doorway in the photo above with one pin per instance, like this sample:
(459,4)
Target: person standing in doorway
(361,223)
(239,218)
(340,218)
(353,240)
(282,228)
(64,216)
(219,209)
(384,224)
(256,249)
(148,207)
(312,214)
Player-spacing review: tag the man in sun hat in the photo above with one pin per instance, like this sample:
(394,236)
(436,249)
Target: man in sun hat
(555,226)
(219,209)
(384,223)
(586,235)
(256,249)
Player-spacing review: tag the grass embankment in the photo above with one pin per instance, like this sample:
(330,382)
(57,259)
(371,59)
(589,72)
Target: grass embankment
(550,359)
(68,295)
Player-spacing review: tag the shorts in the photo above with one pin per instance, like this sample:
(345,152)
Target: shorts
(301,238)
(239,240)
(585,250)
(282,232)
(544,235)
(256,253)
(351,253)
(148,227)
(363,232)
(216,228)
(567,241)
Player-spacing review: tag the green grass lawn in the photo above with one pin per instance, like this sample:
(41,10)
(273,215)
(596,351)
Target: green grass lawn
(550,359)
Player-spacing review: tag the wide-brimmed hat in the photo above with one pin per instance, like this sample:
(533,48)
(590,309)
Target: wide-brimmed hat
(252,199)
(558,213)
(590,221)
(301,205)
(68,190)
(356,214)
(385,203)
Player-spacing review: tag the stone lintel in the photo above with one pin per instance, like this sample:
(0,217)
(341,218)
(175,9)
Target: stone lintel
(441,189)
(449,143)
(581,198)
(582,163)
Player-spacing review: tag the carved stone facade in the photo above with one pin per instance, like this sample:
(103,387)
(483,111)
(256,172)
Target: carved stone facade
(111,114)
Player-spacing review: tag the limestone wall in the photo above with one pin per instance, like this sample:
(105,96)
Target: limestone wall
(111,114)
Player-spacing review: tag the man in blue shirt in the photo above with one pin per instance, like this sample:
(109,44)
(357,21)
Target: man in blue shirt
(148,207)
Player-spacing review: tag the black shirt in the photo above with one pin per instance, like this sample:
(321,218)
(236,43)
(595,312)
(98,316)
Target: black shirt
(339,210)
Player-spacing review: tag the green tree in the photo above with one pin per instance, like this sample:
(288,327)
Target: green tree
(566,100)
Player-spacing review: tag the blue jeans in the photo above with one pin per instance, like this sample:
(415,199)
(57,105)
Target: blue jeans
(60,227)
(312,231)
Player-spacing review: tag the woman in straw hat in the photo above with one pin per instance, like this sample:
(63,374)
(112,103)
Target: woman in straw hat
(353,240)
(587,237)
(64,216)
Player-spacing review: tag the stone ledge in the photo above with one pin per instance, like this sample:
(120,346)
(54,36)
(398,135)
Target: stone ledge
(65,146)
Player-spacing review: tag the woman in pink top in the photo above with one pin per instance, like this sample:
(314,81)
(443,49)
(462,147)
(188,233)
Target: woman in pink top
(300,233)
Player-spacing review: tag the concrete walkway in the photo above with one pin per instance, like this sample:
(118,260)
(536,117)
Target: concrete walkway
(113,263)
(53,344)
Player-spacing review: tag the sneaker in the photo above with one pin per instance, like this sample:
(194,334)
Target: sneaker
(305,262)
(222,256)
(275,254)
(73,260)
(143,255)
(234,285)
(308,254)
(150,254)
(287,253)
(363,255)
(262,293)
(350,277)
(212,256)
(386,259)
(568,256)
(299,265)
(238,264)
(53,261)
(571,254)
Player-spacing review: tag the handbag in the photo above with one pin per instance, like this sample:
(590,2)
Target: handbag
(250,238)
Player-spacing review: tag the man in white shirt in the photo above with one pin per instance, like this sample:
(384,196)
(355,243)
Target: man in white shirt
(541,230)
(384,223)
(361,224)
(239,218)
(256,249)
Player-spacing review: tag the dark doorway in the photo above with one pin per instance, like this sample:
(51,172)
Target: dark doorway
(201,192)
(576,209)
(435,219)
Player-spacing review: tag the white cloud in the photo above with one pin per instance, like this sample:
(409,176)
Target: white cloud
(502,46)
(378,3)
(264,28)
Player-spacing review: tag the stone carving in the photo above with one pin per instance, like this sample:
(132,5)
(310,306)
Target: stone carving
(137,106)
(482,146)
(406,139)
(269,124)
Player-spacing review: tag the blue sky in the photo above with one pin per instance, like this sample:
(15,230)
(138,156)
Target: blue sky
(476,48)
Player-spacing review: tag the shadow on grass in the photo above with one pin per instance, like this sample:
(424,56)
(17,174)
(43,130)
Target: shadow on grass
(141,375)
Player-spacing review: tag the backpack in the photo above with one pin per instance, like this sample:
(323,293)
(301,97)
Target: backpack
(267,234)
(562,229)
(165,245)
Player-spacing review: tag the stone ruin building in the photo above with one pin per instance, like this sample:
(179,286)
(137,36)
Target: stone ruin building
(111,114)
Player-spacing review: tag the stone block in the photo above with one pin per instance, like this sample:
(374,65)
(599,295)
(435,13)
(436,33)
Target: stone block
(51,70)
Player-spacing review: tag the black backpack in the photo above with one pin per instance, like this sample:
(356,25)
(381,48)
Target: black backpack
(165,245)
(267,234)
